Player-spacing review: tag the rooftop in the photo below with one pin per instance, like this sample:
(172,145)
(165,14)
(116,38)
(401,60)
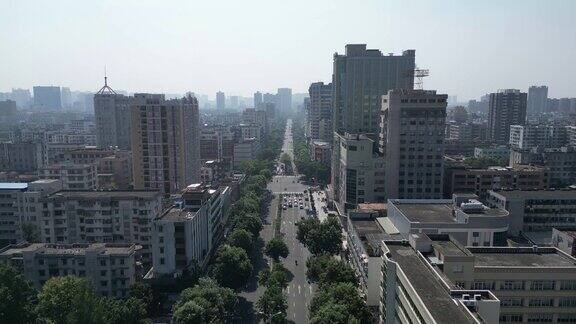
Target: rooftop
(364,227)
(70,249)
(176,214)
(106,194)
(538,194)
(521,257)
(433,294)
(13,186)
(426,212)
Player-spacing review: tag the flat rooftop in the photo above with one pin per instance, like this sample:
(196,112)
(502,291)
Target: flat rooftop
(68,249)
(106,194)
(365,227)
(427,212)
(449,248)
(437,299)
(176,214)
(13,185)
(538,194)
(521,257)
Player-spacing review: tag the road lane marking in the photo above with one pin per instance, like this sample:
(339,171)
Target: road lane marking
(299,290)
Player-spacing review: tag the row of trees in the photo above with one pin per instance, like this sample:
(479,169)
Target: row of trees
(337,299)
(214,300)
(65,300)
(304,163)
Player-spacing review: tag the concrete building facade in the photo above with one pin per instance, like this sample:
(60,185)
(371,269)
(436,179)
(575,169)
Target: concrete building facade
(412,143)
(320,112)
(113,119)
(165,142)
(507,107)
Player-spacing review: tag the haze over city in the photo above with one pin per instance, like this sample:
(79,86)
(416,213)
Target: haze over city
(470,47)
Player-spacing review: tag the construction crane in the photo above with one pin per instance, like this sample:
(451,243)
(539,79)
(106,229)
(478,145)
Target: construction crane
(418,75)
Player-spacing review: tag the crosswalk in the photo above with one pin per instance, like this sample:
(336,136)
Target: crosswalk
(288,192)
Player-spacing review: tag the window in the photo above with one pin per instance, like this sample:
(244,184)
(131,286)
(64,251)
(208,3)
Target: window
(483,285)
(540,318)
(511,302)
(458,268)
(568,285)
(103,273)
(567,302)
(41,273)
(104,283)
(161,260)
(102,262)
(566,318)
(542,285)
(511,318)
(512,285)
(541,302)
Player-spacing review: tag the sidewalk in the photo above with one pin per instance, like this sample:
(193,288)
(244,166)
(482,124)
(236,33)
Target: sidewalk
(319,204)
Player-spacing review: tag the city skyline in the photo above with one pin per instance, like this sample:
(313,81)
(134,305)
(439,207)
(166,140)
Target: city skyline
(482,48)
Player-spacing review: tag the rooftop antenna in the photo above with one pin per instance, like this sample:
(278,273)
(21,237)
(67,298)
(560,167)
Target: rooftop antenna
(106,89)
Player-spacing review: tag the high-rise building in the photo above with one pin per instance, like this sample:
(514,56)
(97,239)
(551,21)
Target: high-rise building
(320,111)
(113,118)
(284,98)
(66,97)
(22,97)
(412,142)
(258,100)
(360,78)
(220,100)
(507,107)
(47,98)
(165,142)
(537,99)
(234,102)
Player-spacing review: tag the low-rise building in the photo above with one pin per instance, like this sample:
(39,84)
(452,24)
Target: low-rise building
(73,176)
(70,216)
(565,240)
(560,161)
(11,212)
(536,210)
(529,284)
(495,152)
(321,152)
(461,179)
(246,150)
(187,233)
(109,268)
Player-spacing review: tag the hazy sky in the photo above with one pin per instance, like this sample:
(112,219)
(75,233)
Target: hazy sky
(240,46)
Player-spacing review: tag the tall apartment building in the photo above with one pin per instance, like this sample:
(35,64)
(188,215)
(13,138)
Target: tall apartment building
(165,142)
(73,176)
(434,279)
(109,268)
(537,100)
(360,171)
(412,142)
(47,98)
(507,107)
(113,216)
(258,100)
(360,77)
(538,135)
(220,100)
(284,100)
(113,118)
(536,210)
(320,112)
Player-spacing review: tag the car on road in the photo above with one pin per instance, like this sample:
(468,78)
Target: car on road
(301,206)
(284,207)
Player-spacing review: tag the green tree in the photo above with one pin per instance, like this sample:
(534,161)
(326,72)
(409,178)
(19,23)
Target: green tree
(17,297)
(326,269)
(206,300)
(232,268)
(118,311)
(272,302)
(320,237)
(343,294)
(241,238)
(31,233)
(277,276)
(331,313)
(251,223)
(276,248)
(69,299)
